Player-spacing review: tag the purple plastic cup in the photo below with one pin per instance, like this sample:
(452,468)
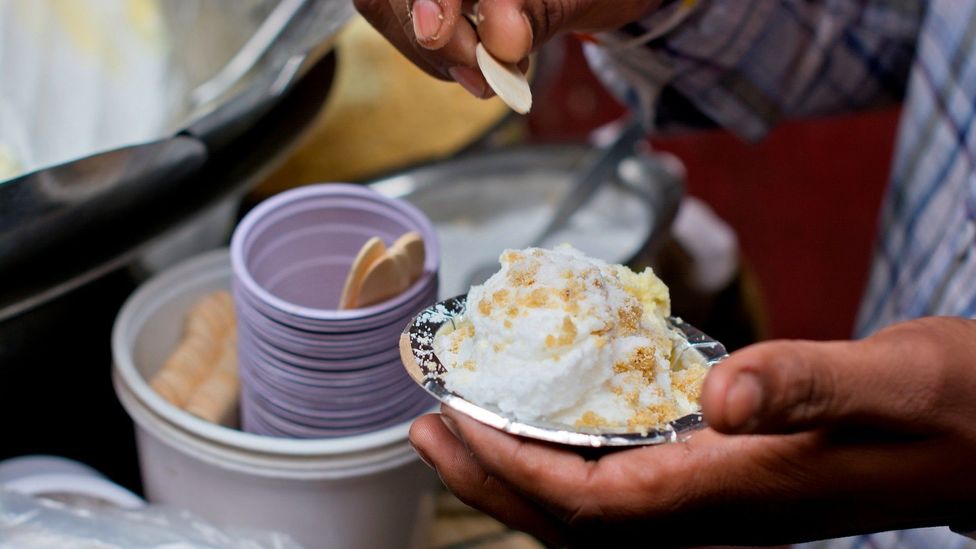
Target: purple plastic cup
(353,416)
(313,366)
(425,286)
(306,342)
(307,369)
(357,380)
(328,398)
(255,355)
(285,382)
(256,420)
(263,421)
(264,241)
(341,405)
(332,356)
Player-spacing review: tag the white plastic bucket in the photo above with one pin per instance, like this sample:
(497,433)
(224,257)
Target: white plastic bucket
(367,491)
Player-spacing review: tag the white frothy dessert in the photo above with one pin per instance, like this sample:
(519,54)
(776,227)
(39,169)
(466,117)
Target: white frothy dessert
(560,337)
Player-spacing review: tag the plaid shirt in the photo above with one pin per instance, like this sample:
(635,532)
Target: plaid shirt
(746,64)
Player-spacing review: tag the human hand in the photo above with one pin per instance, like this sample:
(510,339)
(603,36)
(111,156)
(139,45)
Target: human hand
(821,440)
(436,36)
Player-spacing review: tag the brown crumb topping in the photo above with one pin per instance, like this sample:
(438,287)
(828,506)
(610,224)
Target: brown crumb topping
(591,420)
(463,332)
(567,334)
(653,415)
(513,256)
(536,299)
(567,331)
(629,318)
(641,362)
(572,294)
(523,276)
(648,416)
(469,365)
(689,380)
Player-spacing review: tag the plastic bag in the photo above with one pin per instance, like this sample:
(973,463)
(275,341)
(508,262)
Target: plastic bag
(27,522)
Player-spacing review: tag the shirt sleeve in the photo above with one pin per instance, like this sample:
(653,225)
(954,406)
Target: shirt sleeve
(746,64)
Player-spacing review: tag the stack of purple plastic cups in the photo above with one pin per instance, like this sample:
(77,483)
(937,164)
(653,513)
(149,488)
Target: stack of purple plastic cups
(307,369)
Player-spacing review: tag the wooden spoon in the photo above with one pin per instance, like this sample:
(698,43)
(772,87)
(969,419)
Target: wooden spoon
(412,246)
(369,254)
(508,82)
(384,279)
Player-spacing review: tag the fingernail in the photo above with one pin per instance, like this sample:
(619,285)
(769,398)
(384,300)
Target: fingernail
(743,402)
(427,20)
(451,426)
(423,456)
(470,79)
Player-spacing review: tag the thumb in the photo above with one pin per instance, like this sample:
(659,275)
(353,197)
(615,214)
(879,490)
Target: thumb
(790,386)
(511,29)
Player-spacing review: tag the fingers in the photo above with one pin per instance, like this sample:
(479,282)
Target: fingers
(462,474)
(448,42)
(587,496)
(434,21)
(897,378)
(647,488)
(548,474)
(789,386)
(505,29)
(751,489)
(436,36)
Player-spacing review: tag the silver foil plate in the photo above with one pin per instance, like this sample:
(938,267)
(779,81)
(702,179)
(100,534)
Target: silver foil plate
(421,362)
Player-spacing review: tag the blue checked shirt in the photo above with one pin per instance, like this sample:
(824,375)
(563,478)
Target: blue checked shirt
(746,64)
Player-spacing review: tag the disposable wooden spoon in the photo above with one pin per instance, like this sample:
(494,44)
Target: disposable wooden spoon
(385,278)
(369,254)
(412,246)
(506,79)
(379,273)
(399,256)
